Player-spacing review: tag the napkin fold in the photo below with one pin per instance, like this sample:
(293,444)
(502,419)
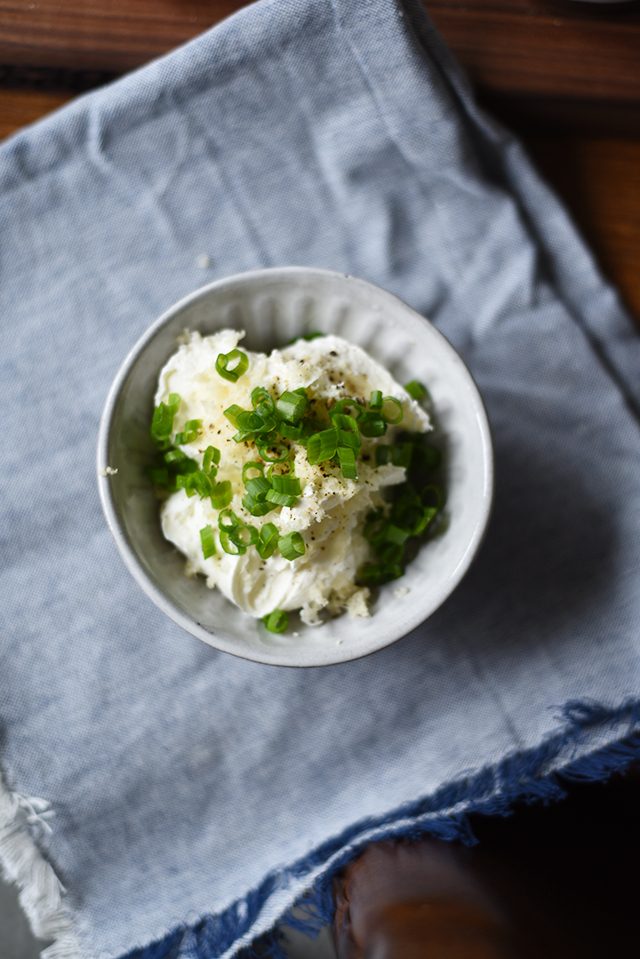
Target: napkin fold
(164,798)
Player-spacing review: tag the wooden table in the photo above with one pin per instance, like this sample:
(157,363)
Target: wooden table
(564,75)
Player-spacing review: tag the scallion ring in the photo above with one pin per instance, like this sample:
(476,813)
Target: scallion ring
(277,621)
(252,470)
(228,520)
(232,365)
(274,453)
(291,546)
(228,545)
(391,410)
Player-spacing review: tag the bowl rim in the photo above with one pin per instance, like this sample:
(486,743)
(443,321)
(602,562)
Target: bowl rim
(281,656)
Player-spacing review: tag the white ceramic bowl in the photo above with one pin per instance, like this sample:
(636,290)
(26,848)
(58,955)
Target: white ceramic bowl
(273,306)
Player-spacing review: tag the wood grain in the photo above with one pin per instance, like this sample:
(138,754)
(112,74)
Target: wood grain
(540,65)
(599,182)
(19,107)
(561,48)
(112,35)
(554,48)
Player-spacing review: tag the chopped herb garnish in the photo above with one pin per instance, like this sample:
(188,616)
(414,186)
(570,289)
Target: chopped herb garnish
(162,420)
(232,365)
(416,390)
(208,542)
(391,410)
(267,540)
(277,621)
(292,406)
(291,546)
(322,446)
(347,460)
(221,494)
(372,424)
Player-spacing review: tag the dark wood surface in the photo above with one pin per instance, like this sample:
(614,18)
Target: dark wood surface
(565,75)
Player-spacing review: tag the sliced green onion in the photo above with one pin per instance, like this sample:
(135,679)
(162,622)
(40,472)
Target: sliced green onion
(291,546)
(427,517)
(375,574)
(277,621)
(232,413)
(262,397)
(291,432)
(286,484)
(278,469)
(175,456)
(185,481)
(344,422)
(347,460)
(268,540)
(281,499)
(249,421)
(243,535)
(207,541)
(228,520)
(192,430)
(232,365)
(258,487)
(375,403)
(252,470)
(416,390)
(395,534)
(291,406)
(391,411)
(221,494)
(372,424)
(211,458)
(274,453)
(322,446)
(391,554)
(348,405)
(346,438)
(162,419)
(228,545)
(256,507)
(159,476)
(201,483)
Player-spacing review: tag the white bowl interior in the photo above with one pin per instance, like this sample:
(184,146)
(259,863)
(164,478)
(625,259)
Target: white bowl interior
(273,306)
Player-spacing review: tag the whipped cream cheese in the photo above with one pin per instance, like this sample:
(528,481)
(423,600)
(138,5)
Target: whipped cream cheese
(331,509)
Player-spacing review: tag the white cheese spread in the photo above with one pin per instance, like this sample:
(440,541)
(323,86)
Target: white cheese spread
(331,509)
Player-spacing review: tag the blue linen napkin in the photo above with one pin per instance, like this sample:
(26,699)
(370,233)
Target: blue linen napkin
(158,794)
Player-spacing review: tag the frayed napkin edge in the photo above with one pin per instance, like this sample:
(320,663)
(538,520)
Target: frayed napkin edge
(593,742)
(41,894)
(579,751)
